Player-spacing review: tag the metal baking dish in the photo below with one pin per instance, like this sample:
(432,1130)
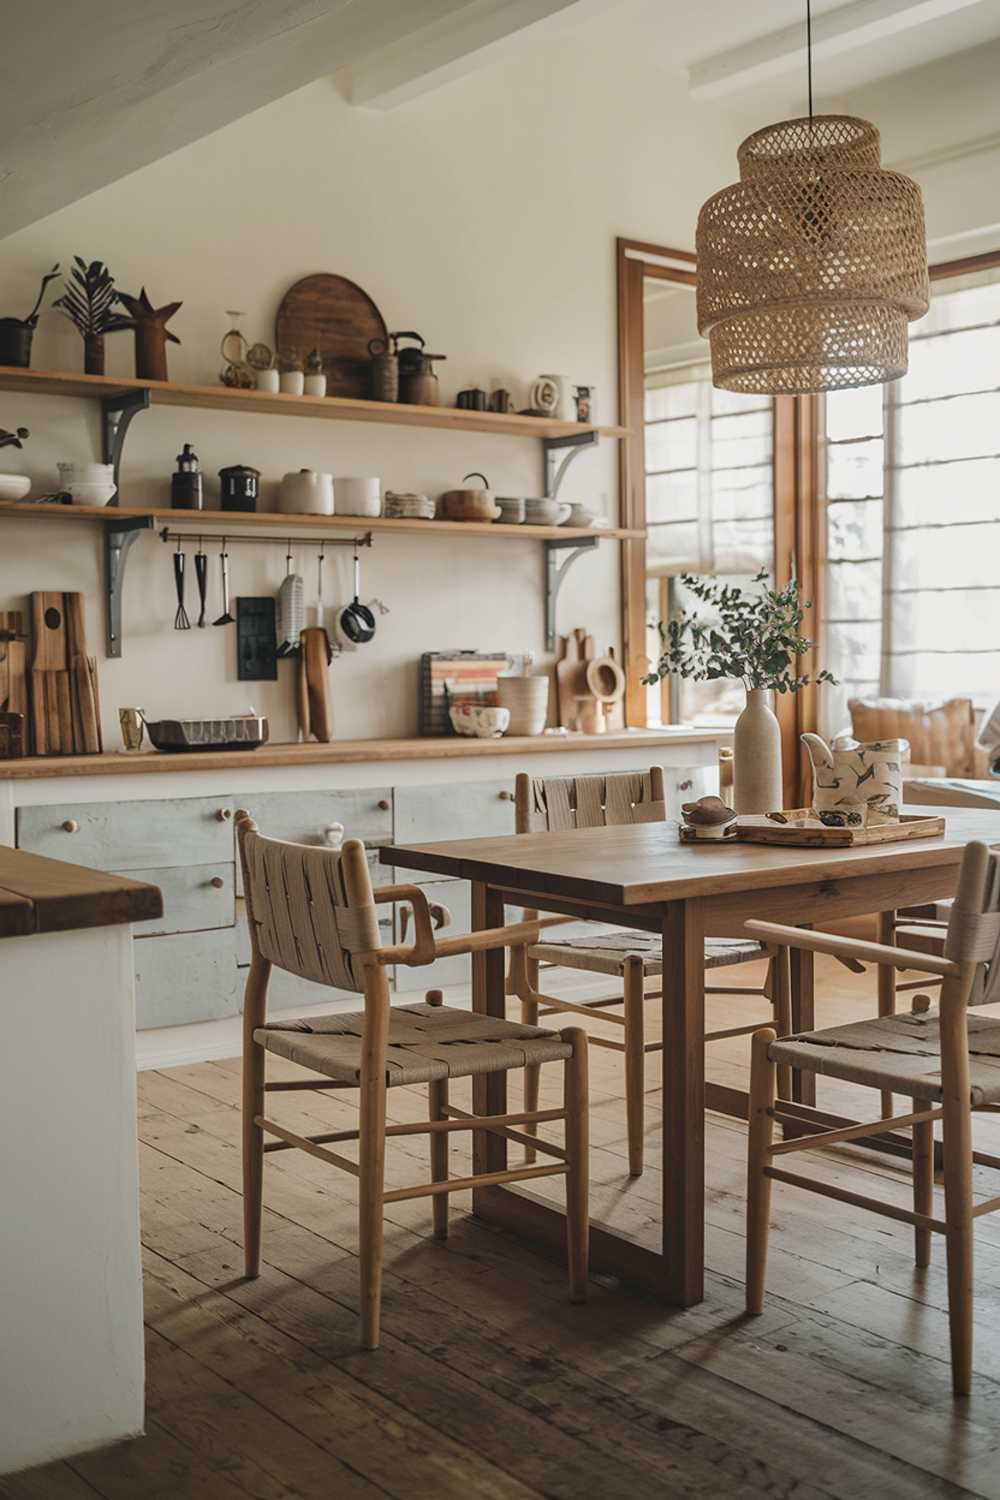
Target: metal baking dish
(207,734)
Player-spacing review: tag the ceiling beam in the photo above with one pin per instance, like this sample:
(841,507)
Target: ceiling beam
(482,32)
(857,24)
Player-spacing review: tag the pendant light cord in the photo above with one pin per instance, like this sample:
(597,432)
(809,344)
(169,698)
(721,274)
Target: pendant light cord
(809,58)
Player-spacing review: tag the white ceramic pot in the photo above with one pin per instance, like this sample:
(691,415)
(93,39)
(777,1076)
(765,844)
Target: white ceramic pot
(315,385)
(306,493)
(478,719)
(14,486)
(757,783)
(528,701)
(268,380)
(74,473)
(856,785)
(292,382)
(358,497)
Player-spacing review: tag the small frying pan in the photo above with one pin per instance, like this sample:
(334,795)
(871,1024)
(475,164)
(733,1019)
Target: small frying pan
(356,620)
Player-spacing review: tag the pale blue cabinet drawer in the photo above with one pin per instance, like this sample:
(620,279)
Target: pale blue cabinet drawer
(196,898)
(130,836)
(433,814)
(188,976)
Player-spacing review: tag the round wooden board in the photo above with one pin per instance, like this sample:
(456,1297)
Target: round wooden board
(335,316)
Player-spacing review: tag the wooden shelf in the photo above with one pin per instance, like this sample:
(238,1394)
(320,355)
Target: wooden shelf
(231,522)
(349,752)
(335,408)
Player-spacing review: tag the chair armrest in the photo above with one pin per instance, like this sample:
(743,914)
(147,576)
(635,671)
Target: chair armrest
(841,947)
(426,916)
(518,934)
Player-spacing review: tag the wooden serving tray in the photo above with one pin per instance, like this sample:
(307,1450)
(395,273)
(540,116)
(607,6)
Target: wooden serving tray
(803,830)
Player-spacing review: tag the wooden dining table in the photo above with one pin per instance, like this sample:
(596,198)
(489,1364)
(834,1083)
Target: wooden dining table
(641,876)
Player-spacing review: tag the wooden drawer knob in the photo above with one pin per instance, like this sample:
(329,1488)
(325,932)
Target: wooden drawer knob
(223,815)
(217,883)
(685,786)
(506,796)
(71,826)
(383,804)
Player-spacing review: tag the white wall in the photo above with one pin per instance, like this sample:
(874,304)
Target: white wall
(71,1376)
(485,217)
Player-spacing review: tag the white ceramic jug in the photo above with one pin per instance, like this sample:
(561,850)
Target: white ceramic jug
(855,785)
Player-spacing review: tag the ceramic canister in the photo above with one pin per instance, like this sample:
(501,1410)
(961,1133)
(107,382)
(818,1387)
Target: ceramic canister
(306,493)
(358,497)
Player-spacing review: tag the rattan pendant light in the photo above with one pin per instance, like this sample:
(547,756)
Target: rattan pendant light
(810,266)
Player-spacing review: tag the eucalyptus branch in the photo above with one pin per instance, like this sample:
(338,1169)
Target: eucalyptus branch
(754,637)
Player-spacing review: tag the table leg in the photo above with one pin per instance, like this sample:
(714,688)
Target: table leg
(803,1017)
(684,1102)
(489,1090)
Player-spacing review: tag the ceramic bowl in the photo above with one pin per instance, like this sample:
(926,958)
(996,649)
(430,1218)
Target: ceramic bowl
(511,510)
(14,486)
(527,698)
(469,505)
(357,497)
(546,512)
(73,473)
(480,720)
(91,494)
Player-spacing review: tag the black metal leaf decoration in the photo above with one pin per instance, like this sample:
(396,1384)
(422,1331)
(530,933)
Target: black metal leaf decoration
(88,300)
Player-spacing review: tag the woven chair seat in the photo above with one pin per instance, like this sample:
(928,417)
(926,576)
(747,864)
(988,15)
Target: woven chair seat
(896,1053)
(426,1042)
(605,953)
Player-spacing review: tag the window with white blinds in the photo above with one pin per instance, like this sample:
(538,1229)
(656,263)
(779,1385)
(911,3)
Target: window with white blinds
(912,581)
(709,509)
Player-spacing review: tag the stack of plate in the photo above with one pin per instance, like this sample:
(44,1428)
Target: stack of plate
(407,507)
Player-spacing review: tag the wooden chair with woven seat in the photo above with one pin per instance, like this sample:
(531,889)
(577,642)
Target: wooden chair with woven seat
(312,911)
(941,735)
(946,1061)
(554,804)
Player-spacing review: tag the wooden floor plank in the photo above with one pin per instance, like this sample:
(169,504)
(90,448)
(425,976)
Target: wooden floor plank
(489,1383)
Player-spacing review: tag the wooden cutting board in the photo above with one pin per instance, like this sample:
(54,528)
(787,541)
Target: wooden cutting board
(65,718)
(86,733)
(51,713)
(315,668)
(13,666)
(335,316)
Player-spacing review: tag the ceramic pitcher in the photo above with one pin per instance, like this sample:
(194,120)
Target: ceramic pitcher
(856,785)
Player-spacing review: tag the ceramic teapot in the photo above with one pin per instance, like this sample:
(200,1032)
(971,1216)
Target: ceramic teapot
(855,785)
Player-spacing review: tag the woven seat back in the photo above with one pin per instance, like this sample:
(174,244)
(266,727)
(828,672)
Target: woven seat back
(974,926)
(554,804)
(298,912)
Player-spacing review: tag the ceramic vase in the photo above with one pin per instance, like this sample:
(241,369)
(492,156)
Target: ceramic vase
(757,780)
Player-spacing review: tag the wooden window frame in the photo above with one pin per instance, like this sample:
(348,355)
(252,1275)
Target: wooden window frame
(799,530)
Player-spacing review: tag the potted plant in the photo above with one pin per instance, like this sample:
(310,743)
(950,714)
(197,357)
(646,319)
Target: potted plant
(292,376)
(16,333)
(757,638)
(88,301)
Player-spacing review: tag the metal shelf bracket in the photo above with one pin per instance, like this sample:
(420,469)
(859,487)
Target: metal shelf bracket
(555,467)
(555,573)
(116,414)
(118,538)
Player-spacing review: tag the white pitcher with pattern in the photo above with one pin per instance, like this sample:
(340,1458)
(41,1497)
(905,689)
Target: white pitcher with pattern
(856,785)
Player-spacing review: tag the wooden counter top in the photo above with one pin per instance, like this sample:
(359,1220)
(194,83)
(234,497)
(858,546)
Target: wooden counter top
(347,752)
(45,895)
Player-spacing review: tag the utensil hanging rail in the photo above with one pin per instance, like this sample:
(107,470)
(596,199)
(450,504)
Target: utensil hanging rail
(325,543)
